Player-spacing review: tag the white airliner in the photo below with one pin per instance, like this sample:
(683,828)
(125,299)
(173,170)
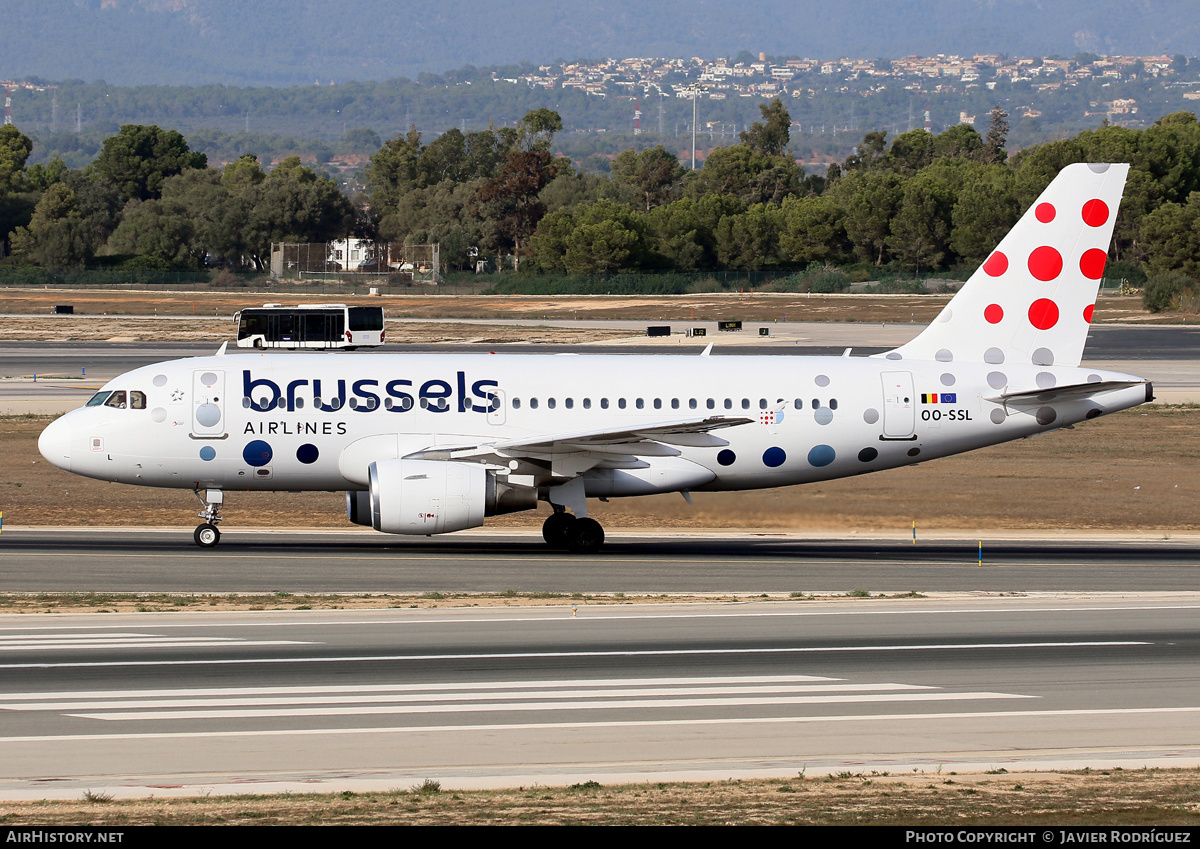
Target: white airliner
(432,443)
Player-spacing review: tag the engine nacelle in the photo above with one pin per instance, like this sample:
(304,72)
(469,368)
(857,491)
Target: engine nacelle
(427,496)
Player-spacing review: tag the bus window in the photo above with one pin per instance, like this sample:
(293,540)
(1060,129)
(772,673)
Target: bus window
(310,326)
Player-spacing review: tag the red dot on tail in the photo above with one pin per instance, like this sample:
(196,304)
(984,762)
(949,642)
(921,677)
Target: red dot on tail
(1044,212)
(1043,313)
(1087,313)
(1095,212)
(996,264)
(1092,263)
(993,313)
(1045,263)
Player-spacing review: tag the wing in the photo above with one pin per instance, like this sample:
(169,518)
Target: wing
(567,455)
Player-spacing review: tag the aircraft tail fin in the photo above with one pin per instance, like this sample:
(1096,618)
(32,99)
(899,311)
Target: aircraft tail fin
(1031,301)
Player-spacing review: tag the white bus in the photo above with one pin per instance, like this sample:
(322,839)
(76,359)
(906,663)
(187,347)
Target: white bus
(309,326)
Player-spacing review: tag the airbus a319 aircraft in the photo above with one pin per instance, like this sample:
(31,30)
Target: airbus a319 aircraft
(432,443)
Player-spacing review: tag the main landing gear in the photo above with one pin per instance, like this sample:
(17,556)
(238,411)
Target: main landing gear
(565,531)
(207,535)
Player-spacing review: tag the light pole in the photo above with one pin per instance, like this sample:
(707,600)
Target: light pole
(695,91)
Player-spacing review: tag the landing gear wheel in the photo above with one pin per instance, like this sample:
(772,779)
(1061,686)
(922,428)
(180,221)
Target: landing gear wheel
(207,535)
(556,530)
(587,535)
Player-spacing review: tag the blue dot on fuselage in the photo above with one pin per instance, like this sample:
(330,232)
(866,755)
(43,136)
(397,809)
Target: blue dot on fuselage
(726,457)
(307,453)
(774,457)
(821,455)
(208,452)
(257,453)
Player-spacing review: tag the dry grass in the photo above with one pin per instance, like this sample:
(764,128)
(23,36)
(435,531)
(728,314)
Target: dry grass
(1109,797)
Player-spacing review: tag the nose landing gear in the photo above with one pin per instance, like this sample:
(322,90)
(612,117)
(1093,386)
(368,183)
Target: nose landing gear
(206,534)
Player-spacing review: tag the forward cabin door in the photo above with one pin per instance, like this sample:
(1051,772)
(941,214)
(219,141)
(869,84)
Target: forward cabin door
(208,404)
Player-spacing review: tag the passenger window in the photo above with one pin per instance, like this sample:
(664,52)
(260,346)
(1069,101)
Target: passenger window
(762,403)
(116,400)
(658,403)
(728,403)
(640,404)
(569,403)
(621,403)
(692,404)
(516,403)
(603,403)
(833,403)
(587,403)
(745,403)
(711,404)
(533,403)
(551,403)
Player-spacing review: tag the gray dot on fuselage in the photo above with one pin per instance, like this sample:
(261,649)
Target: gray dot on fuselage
(892,355)
(1045,380)
(1043,357)
(822,380)
(1098,167)
(823,415)
(997,379)
(994,356)
(997,416)
(870,415)
(944,356)
(947,379)
(1046,415)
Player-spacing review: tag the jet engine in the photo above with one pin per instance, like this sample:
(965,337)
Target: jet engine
(433,497)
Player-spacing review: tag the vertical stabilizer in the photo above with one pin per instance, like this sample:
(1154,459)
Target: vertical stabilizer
(1031,301)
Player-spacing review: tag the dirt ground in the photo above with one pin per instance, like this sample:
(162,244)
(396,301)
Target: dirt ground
(733,306)
(1132,471)
(1148,797)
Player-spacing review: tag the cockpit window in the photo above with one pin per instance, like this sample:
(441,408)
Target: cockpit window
(117,399)
(97,399)
(137,400)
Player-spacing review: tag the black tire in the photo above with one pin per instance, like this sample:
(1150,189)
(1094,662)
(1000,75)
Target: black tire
(556,530)
(587,535)
(207,535)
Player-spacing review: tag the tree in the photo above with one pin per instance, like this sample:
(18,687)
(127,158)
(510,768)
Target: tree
(869,200)
(655,173)
(997,135)
(509,204)
(747,174)
(14,151)
(911,152)
(769,137)
(138,158)
(57,235)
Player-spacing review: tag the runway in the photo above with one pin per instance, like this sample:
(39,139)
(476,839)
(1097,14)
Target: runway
(165,704)
(353,561)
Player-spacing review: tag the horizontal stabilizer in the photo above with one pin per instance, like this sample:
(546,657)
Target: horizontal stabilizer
(1073,391)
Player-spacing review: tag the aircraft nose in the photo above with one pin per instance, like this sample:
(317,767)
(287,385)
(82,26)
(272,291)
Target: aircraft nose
(55,444)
